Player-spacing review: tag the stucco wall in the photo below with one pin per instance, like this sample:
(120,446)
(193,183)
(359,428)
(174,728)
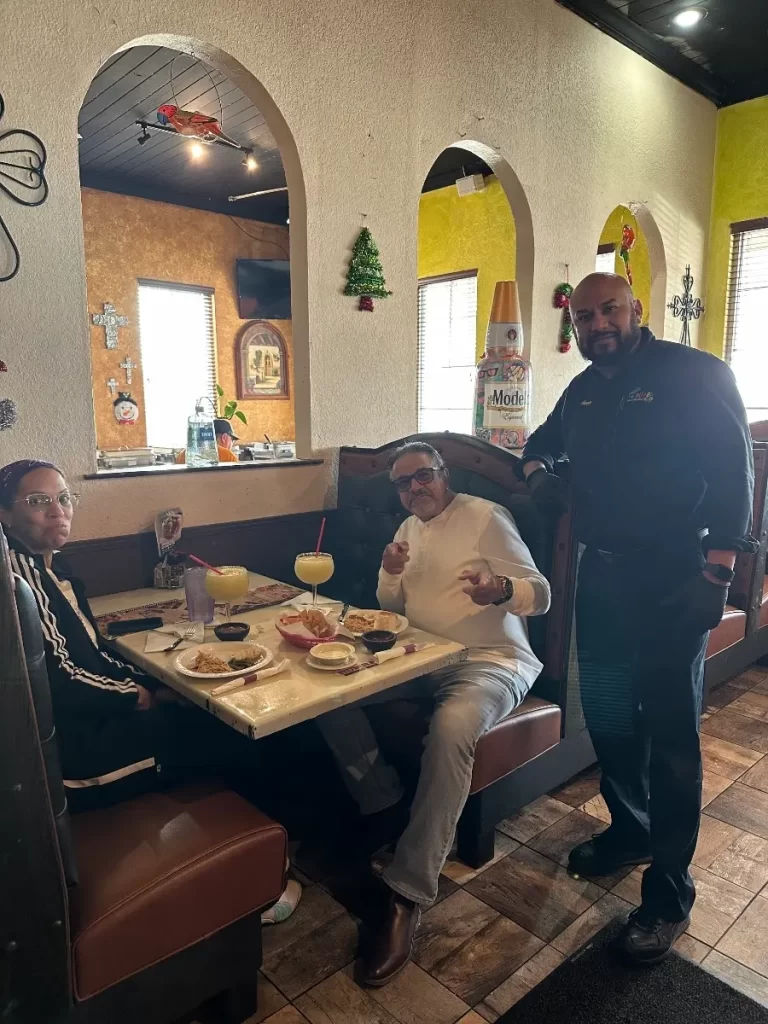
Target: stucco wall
(361,98)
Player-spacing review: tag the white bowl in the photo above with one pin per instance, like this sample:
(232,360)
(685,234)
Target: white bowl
(332,653)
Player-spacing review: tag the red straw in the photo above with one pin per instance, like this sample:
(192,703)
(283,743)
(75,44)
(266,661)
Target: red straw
(320,537)
(194,558)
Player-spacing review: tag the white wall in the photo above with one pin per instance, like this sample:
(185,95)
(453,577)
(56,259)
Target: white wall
(364,96)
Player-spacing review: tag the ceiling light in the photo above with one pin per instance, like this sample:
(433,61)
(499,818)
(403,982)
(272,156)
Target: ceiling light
(689,17)
(196,150)
(250,162)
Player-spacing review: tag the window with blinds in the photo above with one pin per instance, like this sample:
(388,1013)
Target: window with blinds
(746,347)
(447,333)
(178,357)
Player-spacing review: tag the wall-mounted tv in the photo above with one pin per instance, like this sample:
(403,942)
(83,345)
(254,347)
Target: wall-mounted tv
(264,289)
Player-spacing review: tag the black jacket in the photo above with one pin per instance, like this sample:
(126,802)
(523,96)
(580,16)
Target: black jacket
(657,453)
(90,687)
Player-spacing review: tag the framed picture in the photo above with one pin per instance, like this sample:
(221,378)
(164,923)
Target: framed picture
(262,362)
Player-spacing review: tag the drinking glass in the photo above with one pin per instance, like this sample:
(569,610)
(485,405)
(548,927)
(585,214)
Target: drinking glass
(199,602)
(314,568)
(229,584)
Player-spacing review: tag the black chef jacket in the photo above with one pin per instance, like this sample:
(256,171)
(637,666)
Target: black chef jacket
(656,453)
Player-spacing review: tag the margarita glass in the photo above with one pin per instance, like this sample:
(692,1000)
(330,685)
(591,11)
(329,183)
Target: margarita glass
(229,584)
(314,568)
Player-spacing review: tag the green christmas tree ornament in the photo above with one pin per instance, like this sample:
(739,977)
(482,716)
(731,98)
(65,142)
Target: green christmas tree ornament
(365,276)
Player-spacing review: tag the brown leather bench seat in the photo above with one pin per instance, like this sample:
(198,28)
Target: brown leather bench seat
(531,729)
(161,872)
(732,628)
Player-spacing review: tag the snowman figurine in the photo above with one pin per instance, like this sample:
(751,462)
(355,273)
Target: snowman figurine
(126,409)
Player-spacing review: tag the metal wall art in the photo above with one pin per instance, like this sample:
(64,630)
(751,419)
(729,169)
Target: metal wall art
(685,307)
(22,178)
(110,321)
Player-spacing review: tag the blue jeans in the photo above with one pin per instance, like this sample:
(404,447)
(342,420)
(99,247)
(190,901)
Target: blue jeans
(470,699)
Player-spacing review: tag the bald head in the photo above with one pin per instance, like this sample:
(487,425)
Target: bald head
(606,317)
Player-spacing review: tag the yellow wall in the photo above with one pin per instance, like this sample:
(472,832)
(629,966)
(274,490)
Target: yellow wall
(639,260)
(740,193)
(474,232)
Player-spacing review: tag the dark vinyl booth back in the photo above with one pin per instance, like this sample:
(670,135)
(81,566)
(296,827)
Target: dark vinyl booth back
(369,512)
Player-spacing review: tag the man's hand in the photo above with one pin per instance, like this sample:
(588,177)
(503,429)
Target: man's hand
(482,587)
(549,493)
(146,698)
(395,557)
(701,604)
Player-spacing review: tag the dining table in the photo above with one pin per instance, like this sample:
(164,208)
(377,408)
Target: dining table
(299,693)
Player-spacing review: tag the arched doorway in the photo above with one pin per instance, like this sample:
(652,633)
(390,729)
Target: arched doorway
(170,130)
(475,229)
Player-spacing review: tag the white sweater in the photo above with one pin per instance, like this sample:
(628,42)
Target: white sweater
(475,534)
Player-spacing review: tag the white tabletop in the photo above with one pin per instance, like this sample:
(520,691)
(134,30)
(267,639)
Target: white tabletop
(296,695)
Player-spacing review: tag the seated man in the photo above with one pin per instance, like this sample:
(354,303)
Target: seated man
(224,441)
(458,568)
(118,730)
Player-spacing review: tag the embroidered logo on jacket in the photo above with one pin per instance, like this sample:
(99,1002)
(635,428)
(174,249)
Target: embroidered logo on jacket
(636,395)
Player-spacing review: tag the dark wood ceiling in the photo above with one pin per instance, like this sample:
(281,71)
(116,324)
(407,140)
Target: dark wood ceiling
(724,56)
(130,87)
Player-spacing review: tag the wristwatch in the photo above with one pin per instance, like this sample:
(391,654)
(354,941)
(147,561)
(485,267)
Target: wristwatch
(508,588)
(721,573)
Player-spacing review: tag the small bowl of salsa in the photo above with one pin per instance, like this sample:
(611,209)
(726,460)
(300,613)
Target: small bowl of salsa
(232,630)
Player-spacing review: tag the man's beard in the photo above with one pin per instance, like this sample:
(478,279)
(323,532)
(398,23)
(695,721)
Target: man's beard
(626,342)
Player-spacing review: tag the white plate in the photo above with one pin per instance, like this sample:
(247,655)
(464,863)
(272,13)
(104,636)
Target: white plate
(330,668)
(402,622)
(225,651)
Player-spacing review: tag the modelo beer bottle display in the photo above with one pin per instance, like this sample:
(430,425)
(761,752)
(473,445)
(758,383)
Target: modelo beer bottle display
(504,384)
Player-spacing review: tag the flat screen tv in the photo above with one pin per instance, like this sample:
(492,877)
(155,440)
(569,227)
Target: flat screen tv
(264,289)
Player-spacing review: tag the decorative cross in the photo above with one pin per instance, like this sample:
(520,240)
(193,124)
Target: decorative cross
(129,366)
(110,321)
(112,385)
(685,307)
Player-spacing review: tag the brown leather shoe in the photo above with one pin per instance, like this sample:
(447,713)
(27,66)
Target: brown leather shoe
(393,945)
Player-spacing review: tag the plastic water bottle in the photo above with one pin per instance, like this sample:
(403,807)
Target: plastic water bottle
(201,439)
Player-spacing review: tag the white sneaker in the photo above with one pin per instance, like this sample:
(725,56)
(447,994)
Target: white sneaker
(285,906)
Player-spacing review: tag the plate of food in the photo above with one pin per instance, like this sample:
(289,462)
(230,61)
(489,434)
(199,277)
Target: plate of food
(308,627)
(362,620)
(223,660)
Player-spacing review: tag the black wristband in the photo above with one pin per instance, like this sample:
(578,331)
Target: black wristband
(720,572)
(509,589)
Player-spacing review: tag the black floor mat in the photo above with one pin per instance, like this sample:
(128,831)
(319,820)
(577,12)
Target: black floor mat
(594,987)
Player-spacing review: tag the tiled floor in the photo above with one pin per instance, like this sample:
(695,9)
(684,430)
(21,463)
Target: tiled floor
(495,934)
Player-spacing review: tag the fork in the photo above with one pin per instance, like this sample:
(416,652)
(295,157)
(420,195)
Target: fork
(186,635)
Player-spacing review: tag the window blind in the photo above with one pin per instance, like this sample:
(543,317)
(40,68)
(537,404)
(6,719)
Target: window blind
(447,333)
(746,346)
(178,357)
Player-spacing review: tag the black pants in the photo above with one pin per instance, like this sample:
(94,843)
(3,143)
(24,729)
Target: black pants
(184,741)
(641,677)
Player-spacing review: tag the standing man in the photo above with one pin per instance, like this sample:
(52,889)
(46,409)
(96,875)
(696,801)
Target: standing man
(662,480)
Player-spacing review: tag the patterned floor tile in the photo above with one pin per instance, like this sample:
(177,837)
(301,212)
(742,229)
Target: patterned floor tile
(722,696)
(339,1000)
(740,729)
(744,863)
(269,1001)
(579,789)
(534,818)
(590,923)
(737,976)
(520,983)
(714,837)
(536,893)
(727,759)
(757,777)
(744,807)
(711,786)
(691,948)
(472,1018)
(718,904)
(753,704)
(470,947)
(629,887)
(597,808)
(414,997)
(460,873)
(288,1015)
(747,941)
(559,839)
(296,967)
(316,908)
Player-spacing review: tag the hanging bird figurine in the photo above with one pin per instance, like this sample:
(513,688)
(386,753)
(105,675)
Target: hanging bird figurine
(192,123)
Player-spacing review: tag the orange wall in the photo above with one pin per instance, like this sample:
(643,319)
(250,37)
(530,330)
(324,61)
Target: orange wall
(128,238)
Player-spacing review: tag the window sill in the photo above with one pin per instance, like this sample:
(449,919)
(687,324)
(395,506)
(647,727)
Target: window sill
(110,474)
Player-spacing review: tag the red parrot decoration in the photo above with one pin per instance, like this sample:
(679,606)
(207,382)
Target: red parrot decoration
(627,243)
(191,123)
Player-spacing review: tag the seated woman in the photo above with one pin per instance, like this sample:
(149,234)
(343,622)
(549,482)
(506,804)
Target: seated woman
(119,731)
